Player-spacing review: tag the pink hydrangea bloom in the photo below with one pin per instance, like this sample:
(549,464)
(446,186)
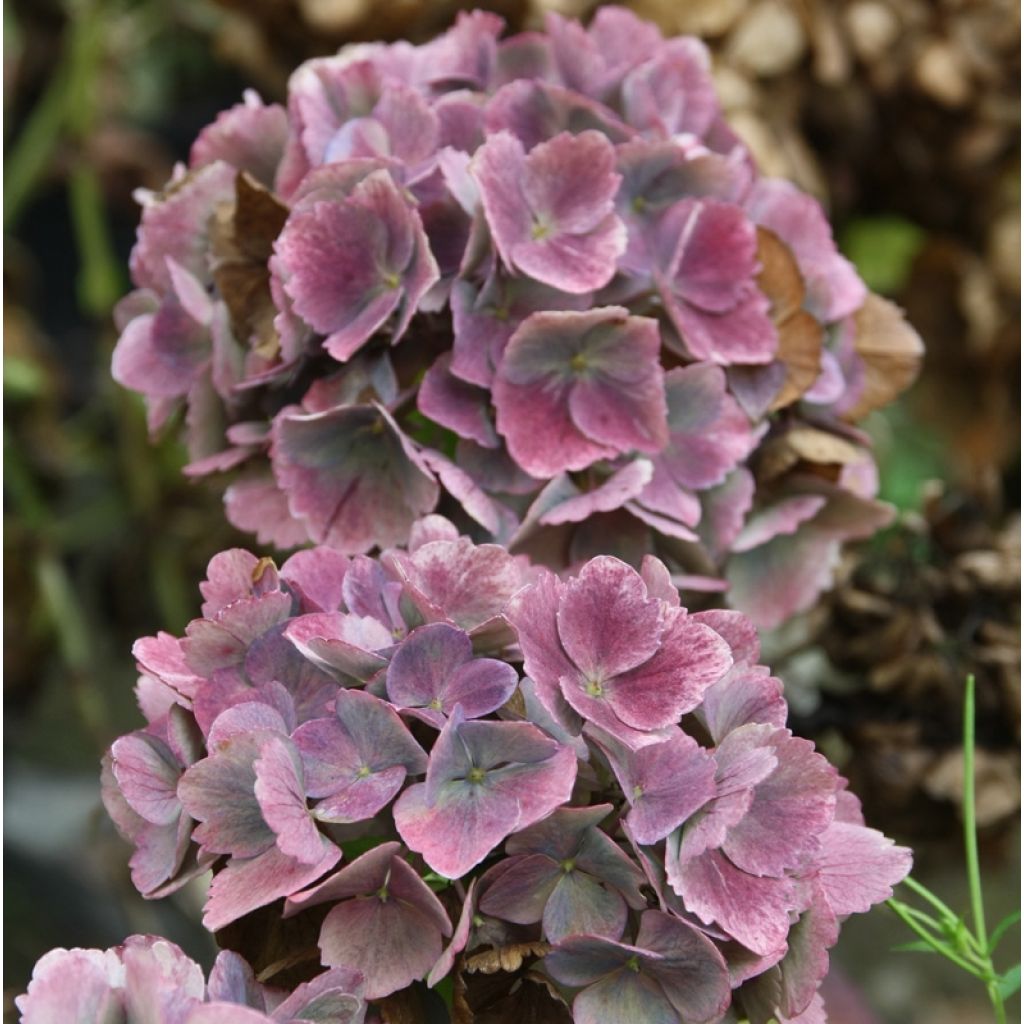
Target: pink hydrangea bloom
(443,749)
(534,283)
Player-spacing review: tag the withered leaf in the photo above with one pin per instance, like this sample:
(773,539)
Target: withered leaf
(801,445)
(800,334)
(891,350)
(242,237)
(800,344)
(779,277)
(504,958)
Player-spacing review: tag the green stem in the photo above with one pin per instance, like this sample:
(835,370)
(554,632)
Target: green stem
(970,823)
(900,911)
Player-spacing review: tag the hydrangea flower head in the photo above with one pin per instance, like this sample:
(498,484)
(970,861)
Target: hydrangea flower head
(534,283)
(444,757)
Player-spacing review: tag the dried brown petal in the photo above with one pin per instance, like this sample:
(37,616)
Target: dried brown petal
(891,350)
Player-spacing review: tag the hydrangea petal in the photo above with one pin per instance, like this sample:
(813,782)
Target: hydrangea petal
(754,911)
(281,794)
(352,476)
(606,621)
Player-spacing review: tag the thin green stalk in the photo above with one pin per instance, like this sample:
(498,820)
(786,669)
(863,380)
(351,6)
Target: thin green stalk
(970,823)
(943,950)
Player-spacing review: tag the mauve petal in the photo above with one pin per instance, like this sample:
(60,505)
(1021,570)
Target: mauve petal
(606,621)
(742,760)
(619,399)
(533,614)
(391,945)
(655,694)
(737,631)
(282,798)
(537,111)
(424,663)
(459,829)
(791,808)
(249,136)
(539,432)
(352,476)
(715,256)
(692,973)
(345,643)
(579,905)
(754,911)
(772,582)
(724,510)
(520,892)
(783,517)
(335,994)
(787,989)
(575,263)
(701,454)
(232,980)
(582,959)
(160,982)
(743,334)
(161,354)
(570,181)
(673,93)
(624,998)
(744,695)
(361,799)
(147,773)
(465,583)
(244,885)
(498,167)
(231,575)
(365,875)
(622,485)
(456,404)
(219,792)
(225,1013)
(76,986)
(492,516)
(665,783)
(858,866)
(318,575)
(257,505)
(176,224)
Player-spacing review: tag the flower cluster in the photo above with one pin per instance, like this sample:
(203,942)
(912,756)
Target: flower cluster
(535,283)
(150,979)
(445,753)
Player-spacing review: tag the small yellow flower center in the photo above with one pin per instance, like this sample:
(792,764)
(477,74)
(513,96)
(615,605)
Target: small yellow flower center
(476,775)
(435,704)
(594,688)
(539,231)
(364,771)
(638,791)
(391,280)
(633,963)
(578,363)
(568,866)
(639,204)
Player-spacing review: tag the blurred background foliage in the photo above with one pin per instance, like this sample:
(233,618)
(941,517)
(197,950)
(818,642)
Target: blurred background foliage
(901,115)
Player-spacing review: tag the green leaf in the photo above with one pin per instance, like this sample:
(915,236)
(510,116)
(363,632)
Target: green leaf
(914,947)
(1009,983)
(883,249)
(1001,929)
